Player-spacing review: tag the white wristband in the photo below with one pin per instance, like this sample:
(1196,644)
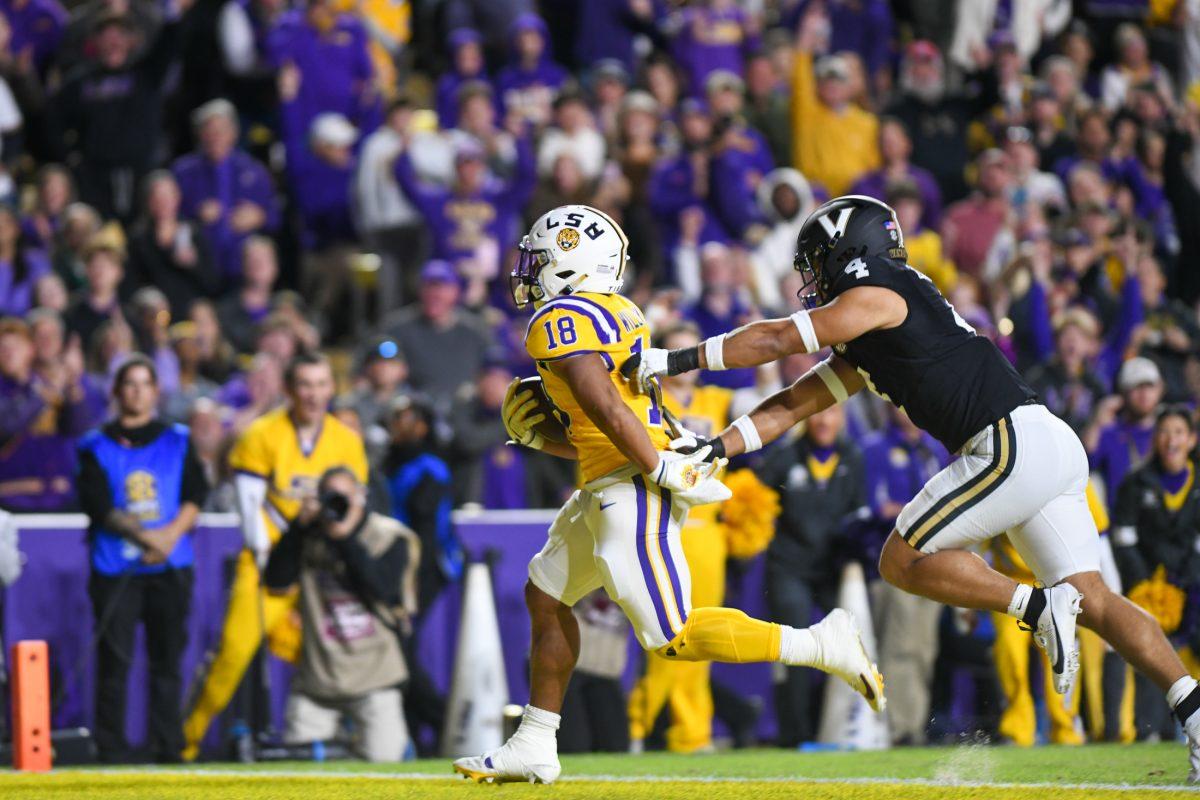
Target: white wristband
(832,382)
(745,426)
(808,335)
(714,352)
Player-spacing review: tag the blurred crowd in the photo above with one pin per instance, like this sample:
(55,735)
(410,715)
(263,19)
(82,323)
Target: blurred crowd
(225,184)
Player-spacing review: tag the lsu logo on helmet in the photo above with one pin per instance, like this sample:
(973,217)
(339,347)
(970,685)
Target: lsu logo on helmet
(568,239)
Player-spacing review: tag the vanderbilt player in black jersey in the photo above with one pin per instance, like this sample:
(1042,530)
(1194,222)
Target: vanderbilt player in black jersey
(1020,469)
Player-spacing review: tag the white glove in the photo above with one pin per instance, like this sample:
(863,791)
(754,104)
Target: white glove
(709,490)
(681,473)
(647,366)
(517,419)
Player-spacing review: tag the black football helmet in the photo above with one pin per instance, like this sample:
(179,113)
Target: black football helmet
(839,231)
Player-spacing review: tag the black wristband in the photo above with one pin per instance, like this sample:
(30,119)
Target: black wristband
(684,360)
(718,449)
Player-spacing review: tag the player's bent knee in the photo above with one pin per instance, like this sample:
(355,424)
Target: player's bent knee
(895,559)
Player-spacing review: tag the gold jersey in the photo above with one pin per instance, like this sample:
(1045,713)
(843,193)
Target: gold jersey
(271,450)
(614,328)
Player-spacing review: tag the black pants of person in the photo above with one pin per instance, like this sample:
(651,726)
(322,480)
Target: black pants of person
(792,600)
(594,718)
(161,603)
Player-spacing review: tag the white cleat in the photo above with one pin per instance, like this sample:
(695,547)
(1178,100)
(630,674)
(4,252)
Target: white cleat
(1191,729)
(515,762)
(841,653)
(1055,634)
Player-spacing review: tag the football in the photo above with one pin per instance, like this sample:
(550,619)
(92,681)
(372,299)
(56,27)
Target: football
(552,427)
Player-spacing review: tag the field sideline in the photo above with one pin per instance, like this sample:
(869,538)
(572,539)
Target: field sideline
(969,771)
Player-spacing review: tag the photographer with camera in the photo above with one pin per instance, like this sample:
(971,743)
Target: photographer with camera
(356,574)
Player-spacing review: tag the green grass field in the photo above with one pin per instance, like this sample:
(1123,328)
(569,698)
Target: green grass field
(969,771)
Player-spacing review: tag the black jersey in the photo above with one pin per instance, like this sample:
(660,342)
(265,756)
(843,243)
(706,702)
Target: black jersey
(951,381)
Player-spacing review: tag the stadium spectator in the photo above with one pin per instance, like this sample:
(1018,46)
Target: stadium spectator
(835,142)
(46,410)
(528,85)
(435,325)
(898,460)
(971,226)
(37,30)
(1155,517)
(324,67)
(80,226)
(1068,384)
(766,106)
(574,134)
(467,66)
(355,570)
(1133,68)
(242,311)
(486,470)
(1122,428)
(55,192)
(422,497)
(192,385)
(720,303)
(98,301)
(167,251)
(923,245)
(21,265)
(740,159)
(142,488)
(712,35)
(785,199)
(819,477)
(382,377)
(224,187)
(895,148)
(387,220)
(107,117)
(206,421)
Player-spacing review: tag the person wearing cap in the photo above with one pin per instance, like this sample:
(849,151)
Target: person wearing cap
(46,409)
(320,173)
(1118,438)
(224,187)
(610,82)
(433,327)
(528,85)
(469,220)
(575,134)
(717,34)
(466,55)
(835,141)
(972,225)
(382,376)
(895,149)
(325,66)
(936,117)
(1031,185)
(107,117)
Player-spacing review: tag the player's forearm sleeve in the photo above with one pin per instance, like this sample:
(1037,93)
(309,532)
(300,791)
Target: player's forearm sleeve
(251,493)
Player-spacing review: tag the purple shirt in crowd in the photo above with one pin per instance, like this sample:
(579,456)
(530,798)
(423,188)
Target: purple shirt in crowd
(37,25)
(335,69)
(16,296)
(520,89)
(1122,448)
(238,178)
(37,445)
(863,27)
(709,40)
(503,478)
(874,184)
(446,96)
(671,191)
(713,324)
(458,222)
(736,172)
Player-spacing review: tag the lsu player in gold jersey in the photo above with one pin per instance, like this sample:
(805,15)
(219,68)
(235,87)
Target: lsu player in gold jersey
(622,529)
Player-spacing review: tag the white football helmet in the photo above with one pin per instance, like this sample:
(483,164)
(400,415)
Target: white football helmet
(570,249)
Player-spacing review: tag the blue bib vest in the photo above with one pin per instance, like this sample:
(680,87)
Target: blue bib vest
(450,556)
(145,482)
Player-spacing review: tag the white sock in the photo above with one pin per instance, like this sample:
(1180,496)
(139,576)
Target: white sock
(1179,690)
(1020,600)
(797,646)
(539,725)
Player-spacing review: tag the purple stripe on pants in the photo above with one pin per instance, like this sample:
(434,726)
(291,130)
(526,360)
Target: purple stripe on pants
(664,540)
(639,486)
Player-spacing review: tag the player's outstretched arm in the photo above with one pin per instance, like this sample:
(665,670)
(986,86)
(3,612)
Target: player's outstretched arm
(830,382)
(850,315)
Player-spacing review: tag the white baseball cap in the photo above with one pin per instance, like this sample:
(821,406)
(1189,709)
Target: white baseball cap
(333,128)
(1137,371)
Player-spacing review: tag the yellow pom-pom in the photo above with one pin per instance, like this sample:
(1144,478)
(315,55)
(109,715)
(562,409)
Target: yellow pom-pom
(749,516)
(1160,599)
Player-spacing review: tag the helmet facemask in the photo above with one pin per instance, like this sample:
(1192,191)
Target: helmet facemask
(523,282)
(810,263)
